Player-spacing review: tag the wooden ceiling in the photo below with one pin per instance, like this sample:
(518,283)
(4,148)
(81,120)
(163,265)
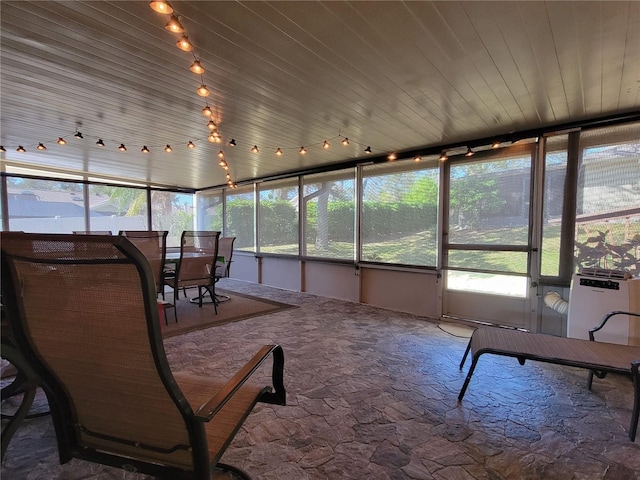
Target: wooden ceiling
(394,76)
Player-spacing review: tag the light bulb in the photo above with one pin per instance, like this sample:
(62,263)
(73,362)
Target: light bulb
(203,91)
(161,6)
(196,67)
(61,141)
(41,146)
(278,152)
(122,148)
(184,44)
(191,145)
(168,149)
(391,157)
(206,111)
(255,149)
(174,25)
(302,150)
(144,149)
(211,125)
(20,149)
(100,143)
(345,141)
(325,145)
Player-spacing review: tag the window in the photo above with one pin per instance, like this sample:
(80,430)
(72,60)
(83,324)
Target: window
(240,217)
(555,174)
(172,212)
(117,208)
(278,217)
(607,223)
(329,211)
(400,214)
(209,211)
(45,206)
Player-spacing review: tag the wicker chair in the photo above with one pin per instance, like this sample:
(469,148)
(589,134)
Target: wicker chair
(83,311)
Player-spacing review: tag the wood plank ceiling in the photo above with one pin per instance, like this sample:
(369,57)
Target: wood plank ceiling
(394,76)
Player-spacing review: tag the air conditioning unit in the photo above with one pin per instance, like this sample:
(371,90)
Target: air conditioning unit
(596,292)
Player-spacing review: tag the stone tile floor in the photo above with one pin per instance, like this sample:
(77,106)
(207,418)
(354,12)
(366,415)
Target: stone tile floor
(372,394)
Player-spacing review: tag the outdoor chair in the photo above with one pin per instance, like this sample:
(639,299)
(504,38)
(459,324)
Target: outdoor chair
(195,268)
(153,245)
(82,309)
(223,267)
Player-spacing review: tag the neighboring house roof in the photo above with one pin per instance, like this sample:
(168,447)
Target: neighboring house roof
(28,205)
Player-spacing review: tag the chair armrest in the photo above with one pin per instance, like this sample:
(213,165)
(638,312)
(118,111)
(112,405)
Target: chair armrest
(213,406)
(606,318)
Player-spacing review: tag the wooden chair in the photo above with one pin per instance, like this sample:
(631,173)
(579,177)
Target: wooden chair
(198,254)
(83,311)
(225,249)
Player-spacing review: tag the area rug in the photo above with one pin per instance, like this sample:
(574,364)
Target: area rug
(239,307)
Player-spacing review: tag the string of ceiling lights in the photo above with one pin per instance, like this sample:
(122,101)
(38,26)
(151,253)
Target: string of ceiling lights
(183,43)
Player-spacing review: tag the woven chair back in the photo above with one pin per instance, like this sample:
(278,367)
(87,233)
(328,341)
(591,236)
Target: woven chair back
(85,307)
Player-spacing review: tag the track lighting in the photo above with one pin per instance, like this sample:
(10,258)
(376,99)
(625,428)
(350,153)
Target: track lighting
(61,141)
(196,67)
(161,6)
(168,149)
(78,135)
(302,150)
(469,153)
(144,149)
(207,112)
(100,143)
(325,145)
(203,91)
(174,25)
(232,143)
(367,150)
(255,149)
(41,146)
(191,145)
(345,141)
(278,152)
(443,156)
(184,44)
(391,157)
(122,148)
(20,149)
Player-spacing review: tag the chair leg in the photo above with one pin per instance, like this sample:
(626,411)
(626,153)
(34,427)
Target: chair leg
(635,373)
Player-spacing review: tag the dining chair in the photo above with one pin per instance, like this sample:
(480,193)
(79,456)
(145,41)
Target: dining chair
(82,309)
(153,245)
(223,264)
(196,266)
